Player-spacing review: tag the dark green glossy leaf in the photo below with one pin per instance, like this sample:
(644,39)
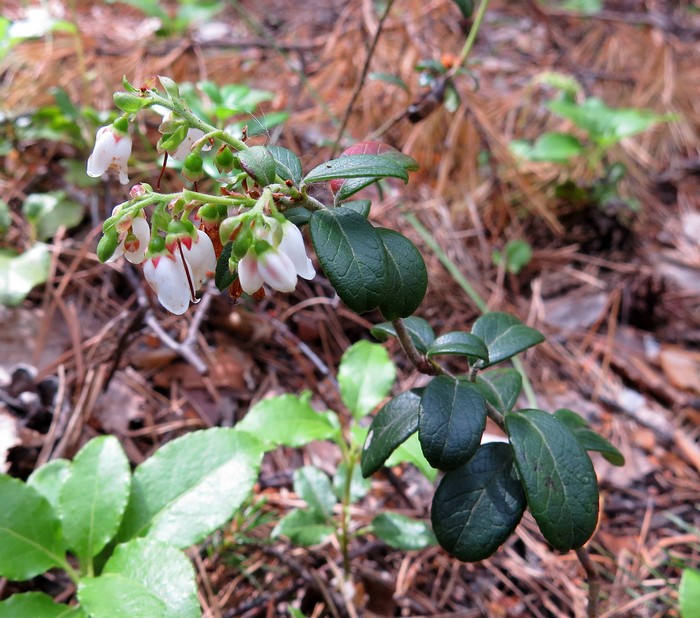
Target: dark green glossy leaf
(259,164)
(558,476)
(361,207)
(314,487)
(408,277)
(223,277)
(501,387)
(392,425)
(352,255)
(588,438)
(303,528)
(459,343)
(504,336)
(421,332)
(357,166)
(452,420)
(298,216)
(477,506)
(351,186)
(466,7)
(403,532)
(288,164)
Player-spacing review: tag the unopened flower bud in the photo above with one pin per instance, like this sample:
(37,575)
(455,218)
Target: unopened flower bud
(224,159)
(242,242)
(192,167)
(107,245)
(137,191)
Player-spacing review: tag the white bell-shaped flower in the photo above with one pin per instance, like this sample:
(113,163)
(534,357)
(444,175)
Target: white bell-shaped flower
(279,266)
(134,244)
(112,150)
(201,258)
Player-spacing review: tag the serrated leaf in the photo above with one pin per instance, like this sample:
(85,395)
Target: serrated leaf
(352,255)
(286,420)
(357,166)
(303,528)
(504,336)
(451,422)
(49,478)
(689,594)
(30,530)
(458,343)
(403,532)
(393,424)
(314,487)
(408,277)
(501,387)
(223,277)
(192,486)
(94,496)
(144,578)
(37,605)
(420,331)
(477,506)
(359,486)
(410,452)
(259,164)
(558,476)
(288,164)
(365,376)
(588,438)
(20,273)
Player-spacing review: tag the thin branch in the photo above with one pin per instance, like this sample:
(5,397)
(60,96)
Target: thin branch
(593,580)
(418,360)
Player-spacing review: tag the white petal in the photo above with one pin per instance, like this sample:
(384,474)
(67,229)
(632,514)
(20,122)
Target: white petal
(142,231)
(169,281)
(293,246)
(201,258)
(186,145)
(248,273)
(278,271)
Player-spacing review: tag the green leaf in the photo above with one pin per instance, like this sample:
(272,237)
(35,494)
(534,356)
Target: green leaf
(49,211)
(504,336)
(408,277)
(361,207)
(144,578)
(351,186)
(477,506)
(392,425)
(517,254)
(588,438)
(420,331)
(20,273)
(501,387)
(359,486)
(192,486)
(49,478)
(466,7)
(357,166)
(558,476)
(352,255)
(452,420)
(403,532)
(549,147)
(303,528)
(458,343)
(298,216)
(314,487)
(5,217)
(389,78)
(411,452)
(365,376)
(287,164)
(170,86)
(689,594)
(223,277)
(94,496)
(30,531)
(37,605)
(286,420)
(259,164)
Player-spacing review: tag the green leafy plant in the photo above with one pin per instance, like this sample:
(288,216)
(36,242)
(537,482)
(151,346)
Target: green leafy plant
(118,536)
(689,594)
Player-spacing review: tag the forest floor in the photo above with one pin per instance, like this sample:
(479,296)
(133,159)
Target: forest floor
(616,290)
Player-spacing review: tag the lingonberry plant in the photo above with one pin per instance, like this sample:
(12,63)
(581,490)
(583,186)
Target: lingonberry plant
(245,233)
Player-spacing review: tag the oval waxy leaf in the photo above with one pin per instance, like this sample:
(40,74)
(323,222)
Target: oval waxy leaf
(37,605)
(588,438)
(501,387)
(93,497)
(403,532)
(287,163)
(143,578)
(357,166)
(48,479)
(558,476)
(460,344)
(259,164)
(393,424)
(352,255)
(451,422)
(192,486)
(420,331)
(477,506)
(30,531)
(314,487)
(365,377)
(408,276)
(303,528)
(361,207)
(504,336)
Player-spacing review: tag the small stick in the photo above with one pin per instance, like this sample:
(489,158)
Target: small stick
(593,581)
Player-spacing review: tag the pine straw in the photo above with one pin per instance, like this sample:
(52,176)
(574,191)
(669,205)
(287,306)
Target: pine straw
(647,528)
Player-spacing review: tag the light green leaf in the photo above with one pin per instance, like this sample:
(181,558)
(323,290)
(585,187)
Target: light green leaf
(49,211)
(365,376)
(37,605)
(314,487)
(549,148)
(287,420)
(144,578)
(410,451)
(93,498)
(303,528)
(192,486)
(49,478)
(359,486)
(20,273)
(689,594)
(403,532)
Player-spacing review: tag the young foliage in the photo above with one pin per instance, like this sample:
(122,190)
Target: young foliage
(401,532)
